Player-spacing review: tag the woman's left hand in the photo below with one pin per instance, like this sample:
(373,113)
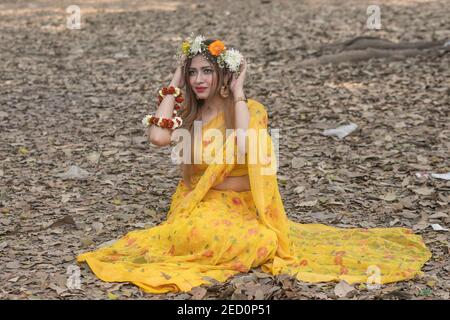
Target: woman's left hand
(237,83)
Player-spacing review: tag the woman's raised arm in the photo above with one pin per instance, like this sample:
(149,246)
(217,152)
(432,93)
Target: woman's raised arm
(161,136)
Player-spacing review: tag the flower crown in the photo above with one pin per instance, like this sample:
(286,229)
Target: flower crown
(226,58)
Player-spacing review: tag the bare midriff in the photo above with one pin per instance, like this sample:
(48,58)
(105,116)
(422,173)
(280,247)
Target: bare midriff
(241,183)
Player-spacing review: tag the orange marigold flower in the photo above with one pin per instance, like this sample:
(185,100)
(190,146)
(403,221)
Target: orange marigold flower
(216,48)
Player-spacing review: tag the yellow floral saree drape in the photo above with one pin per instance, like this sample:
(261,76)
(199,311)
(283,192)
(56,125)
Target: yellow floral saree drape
(214,234)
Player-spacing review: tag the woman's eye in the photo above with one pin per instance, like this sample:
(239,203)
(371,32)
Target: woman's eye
(206,71)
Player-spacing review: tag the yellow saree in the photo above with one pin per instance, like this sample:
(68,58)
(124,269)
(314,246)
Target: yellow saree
(214,234)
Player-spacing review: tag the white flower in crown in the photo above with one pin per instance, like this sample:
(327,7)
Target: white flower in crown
(196,45)
(233,59)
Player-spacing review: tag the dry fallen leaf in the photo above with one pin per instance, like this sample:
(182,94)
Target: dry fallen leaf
(93,157)
(198,293)
(389,197)
(74,172)
(98,227)
(310,203)
(422,223)
(438,215)
(117,202)
(112,296)
(86,242)
(23,150)
(424,191)
(67,220)
(342,289)
(299,189)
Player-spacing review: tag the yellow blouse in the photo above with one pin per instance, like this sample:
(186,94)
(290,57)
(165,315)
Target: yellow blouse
(218,122)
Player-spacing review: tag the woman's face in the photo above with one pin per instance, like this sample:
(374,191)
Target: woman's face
(202,76)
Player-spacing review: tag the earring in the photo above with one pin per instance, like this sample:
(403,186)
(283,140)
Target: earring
(224,91)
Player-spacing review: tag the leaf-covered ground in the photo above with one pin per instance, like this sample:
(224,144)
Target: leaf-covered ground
(77,97)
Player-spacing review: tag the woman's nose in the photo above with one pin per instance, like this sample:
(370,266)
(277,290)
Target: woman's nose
(199,78)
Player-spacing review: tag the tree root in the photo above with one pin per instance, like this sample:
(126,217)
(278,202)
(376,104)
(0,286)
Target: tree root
(365,48)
